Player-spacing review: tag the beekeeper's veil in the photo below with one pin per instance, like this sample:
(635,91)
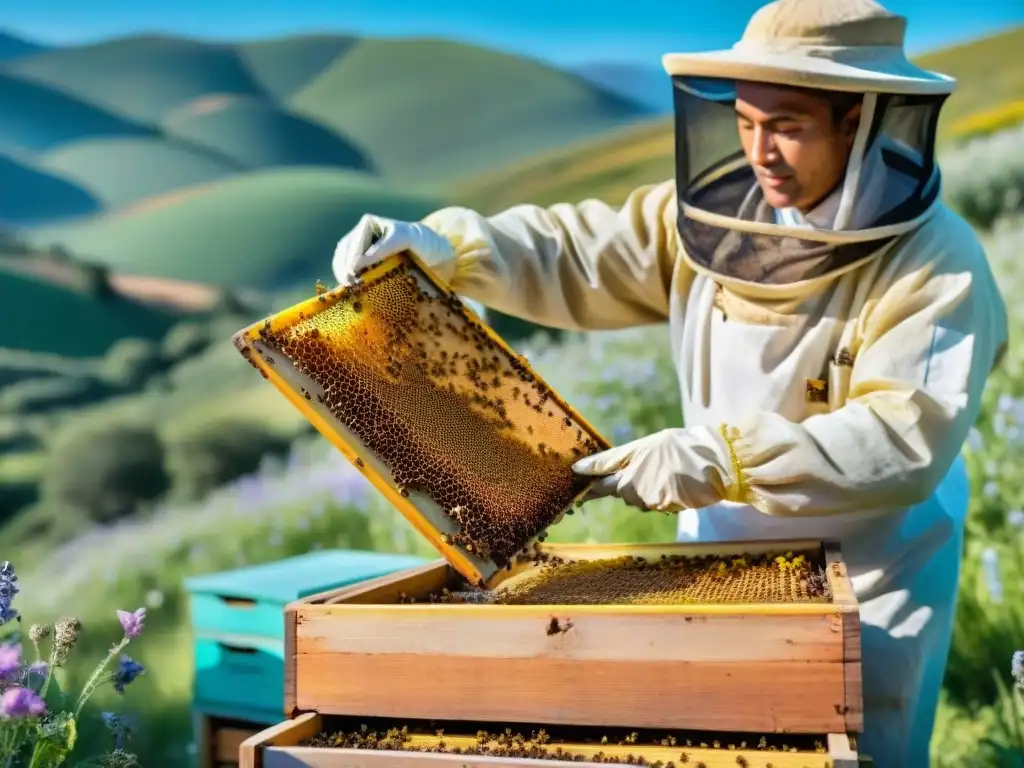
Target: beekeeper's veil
(891,184)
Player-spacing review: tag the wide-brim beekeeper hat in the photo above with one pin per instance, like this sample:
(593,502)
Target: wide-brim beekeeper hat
(892,183)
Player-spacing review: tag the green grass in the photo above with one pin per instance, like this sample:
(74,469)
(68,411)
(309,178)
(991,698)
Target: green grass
(267,229)
(388,97)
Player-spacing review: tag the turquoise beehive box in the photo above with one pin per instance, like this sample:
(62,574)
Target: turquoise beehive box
(237,620)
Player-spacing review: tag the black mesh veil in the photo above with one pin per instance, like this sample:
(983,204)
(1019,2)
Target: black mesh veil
(726,226)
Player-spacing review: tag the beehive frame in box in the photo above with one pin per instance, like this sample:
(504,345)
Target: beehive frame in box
(453,427)
(790,665)
(313,741)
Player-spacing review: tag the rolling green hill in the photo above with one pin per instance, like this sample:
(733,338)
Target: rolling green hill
(432,109)
(284,66)
(258,134)
(268,229)
(156,150)
(29,194)
(61,310)
(36,117)
(157,165)
(141,78)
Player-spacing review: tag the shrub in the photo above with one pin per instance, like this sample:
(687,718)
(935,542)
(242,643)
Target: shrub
(129,363)
(219,452)
(985,178)
(105,471)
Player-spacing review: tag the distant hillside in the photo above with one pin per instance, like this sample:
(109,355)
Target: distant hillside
(271,229)
(103,146)
(648,84)
(12,47)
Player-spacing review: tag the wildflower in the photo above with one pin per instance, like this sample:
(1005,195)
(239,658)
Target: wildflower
(1017,668)
(1015,517)
(8,589)
(65,635)
(990,573)
(118,759)
(10,660)
(132,622)
(127,671)
(39,632)
(20,702)
(119,727)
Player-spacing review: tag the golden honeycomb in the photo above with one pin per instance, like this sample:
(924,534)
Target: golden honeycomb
(592,745)
(443,404)
(785,577)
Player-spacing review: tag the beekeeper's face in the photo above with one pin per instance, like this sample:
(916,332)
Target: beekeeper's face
(797,141)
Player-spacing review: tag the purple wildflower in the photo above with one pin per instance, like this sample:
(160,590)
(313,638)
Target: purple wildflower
(1017,667)
(10,660)
(132,622)
(127,670)
(21,702)
(8,589)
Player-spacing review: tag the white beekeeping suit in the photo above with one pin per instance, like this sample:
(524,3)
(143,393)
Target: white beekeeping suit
(830,363)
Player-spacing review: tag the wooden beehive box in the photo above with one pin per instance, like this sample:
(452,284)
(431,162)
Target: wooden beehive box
(288,745)
(755,667)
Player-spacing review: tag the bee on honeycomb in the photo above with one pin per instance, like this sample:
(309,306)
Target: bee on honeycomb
(446,408)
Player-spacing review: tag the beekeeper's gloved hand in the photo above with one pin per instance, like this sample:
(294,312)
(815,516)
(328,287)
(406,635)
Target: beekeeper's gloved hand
(668,471)
(358,248)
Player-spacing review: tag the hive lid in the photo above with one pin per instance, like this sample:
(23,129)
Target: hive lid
(451,425)
(292,578)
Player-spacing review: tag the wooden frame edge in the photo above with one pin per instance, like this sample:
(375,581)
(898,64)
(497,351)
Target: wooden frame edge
(848,616)
(841,752)
(291,620)
(286,734)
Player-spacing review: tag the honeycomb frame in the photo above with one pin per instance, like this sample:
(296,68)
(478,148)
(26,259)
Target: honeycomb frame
(286,745)
(743,667)
(260,344)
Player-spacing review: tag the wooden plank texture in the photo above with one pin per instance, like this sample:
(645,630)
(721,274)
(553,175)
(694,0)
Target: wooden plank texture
(286,734)
(753,668)
(309,757)
(849,617)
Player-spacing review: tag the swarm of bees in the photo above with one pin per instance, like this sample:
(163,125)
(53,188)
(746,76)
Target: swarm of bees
(446,407)
(541,745)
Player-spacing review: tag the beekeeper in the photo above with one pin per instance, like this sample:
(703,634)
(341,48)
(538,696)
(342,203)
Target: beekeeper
(832,322)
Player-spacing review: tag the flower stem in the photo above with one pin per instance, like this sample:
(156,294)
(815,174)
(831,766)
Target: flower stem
(93,681)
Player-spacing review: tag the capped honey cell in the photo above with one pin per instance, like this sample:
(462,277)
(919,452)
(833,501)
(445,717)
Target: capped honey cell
(446,407)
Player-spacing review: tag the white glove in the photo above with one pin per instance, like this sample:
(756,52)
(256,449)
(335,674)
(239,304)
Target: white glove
(357,250)
(668,471)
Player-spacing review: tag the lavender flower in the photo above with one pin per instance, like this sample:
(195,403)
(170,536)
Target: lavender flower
(21,702)
(127,670)
(1017,668)
(132,622)
(8,589)
(10,660)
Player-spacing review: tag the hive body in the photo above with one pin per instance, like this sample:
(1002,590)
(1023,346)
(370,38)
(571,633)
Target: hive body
(757,667)
(455,428)
(327,742)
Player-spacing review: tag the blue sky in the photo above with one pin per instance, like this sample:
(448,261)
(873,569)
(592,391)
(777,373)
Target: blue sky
(562,31)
